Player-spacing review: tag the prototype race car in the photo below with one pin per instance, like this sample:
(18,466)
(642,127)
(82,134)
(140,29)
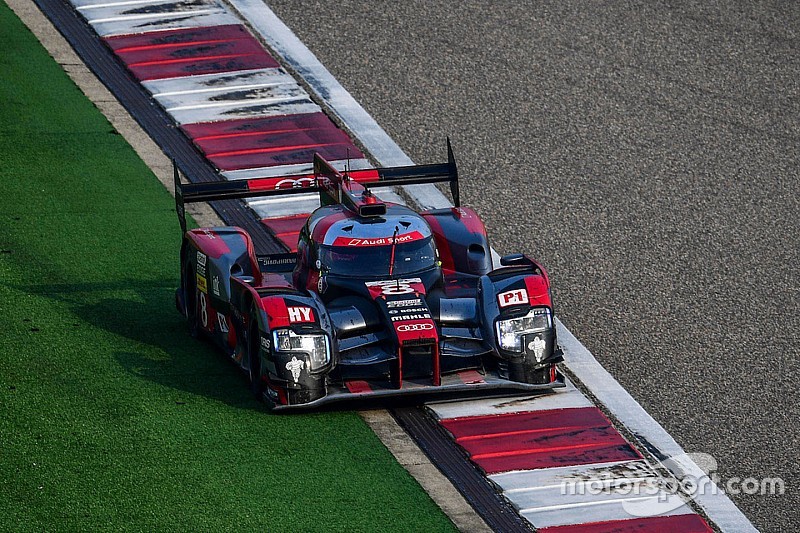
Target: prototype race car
(377,301)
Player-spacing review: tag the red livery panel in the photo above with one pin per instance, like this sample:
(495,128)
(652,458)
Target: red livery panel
(189,52)
(287,229)
(290,154)
(540,439)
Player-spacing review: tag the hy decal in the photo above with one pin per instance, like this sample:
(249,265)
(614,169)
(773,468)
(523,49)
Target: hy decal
(300,314)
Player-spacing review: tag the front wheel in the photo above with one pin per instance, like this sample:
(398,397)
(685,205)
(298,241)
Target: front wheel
(254,356)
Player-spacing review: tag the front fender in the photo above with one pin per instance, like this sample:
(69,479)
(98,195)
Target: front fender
(516,292)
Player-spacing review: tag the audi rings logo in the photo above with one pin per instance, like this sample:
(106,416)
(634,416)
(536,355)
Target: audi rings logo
(414,327)
(299,183)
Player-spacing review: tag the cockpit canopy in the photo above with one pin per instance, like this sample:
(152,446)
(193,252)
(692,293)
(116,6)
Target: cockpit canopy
(369,260)
(353,246)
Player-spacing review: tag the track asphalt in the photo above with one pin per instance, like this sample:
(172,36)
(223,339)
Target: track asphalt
(648,154)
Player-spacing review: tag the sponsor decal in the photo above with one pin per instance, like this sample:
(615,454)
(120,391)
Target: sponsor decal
(223,323)
(295,366)
(298,183)
(418,316)
(206,233)
(515,297)
(378,241)
(282,261)
(215,285)
(201,258)
(322,285)
(408,310)
(392,287)
(537,346)
(414,327)
(414,302)
(265,343)
(300,314)
(201,284)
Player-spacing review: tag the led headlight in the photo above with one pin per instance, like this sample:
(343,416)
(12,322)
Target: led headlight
(512,333)
(314,345)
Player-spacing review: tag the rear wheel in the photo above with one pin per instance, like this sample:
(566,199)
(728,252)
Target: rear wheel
(190,297)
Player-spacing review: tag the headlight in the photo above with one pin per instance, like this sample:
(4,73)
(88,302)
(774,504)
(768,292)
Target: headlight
(513,333)
(314,345)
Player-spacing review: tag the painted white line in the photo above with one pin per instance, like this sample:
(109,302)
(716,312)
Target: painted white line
(523,480)
(126,17)
(244,87)
(603,510)
(228,81)
(294,95)
(602,385)
(566,398)
(83,6)
(179,21)
(234,110)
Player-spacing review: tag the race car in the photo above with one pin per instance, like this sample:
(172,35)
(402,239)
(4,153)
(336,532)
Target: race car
(375,300)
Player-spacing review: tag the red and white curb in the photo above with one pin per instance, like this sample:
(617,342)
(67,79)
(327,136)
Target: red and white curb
(252,119)
(560,462)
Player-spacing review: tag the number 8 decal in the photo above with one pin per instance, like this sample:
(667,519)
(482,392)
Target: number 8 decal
(203,310)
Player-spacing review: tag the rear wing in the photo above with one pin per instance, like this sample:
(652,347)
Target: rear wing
(350,188)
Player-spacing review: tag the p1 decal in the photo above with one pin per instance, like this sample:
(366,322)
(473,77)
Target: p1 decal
(515,297)
(222,322)
(394,287)
(300,314)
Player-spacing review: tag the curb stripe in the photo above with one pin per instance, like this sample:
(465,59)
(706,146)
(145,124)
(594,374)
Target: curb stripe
(656,524)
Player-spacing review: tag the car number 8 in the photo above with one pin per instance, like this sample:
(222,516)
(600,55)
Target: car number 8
(203,310)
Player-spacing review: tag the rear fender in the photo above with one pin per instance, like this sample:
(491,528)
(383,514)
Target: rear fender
(217,255)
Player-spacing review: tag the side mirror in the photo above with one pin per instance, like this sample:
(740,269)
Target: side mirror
(513,259)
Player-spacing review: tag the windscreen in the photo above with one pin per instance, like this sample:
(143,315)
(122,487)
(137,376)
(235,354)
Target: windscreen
(371,261)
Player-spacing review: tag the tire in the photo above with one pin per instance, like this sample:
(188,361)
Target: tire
(254,357)
(190,299)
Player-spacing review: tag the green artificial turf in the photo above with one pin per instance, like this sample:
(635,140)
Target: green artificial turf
(111,416)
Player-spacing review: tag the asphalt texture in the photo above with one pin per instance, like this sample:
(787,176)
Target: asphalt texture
(648,154)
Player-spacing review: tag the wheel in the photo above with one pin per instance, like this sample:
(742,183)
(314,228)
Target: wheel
(254,357)
(190,297)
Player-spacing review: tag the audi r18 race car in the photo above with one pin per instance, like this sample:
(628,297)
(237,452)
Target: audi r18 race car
(376,300)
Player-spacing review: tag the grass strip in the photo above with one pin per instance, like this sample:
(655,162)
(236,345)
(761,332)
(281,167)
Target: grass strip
(111,416)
